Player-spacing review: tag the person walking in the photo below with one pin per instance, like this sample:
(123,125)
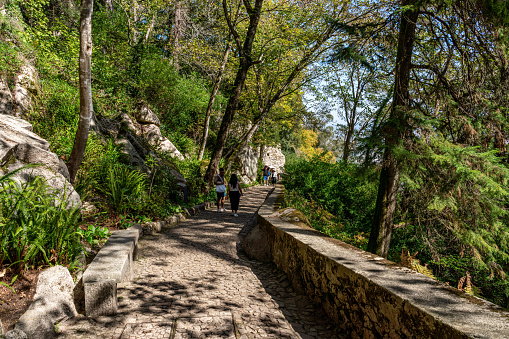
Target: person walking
(274,176)
(220,189)
(266,175)
(234,192)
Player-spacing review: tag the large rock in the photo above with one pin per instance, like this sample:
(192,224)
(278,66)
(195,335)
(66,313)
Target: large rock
(145,116)
(256,245)
(15,131)
(134,158)
(25,154)
(167,146)
(154,137)
(128,124)
(248,164)
(6,105)
(274,158)
(53,302)
(153,134)
(109,127)
(19,146)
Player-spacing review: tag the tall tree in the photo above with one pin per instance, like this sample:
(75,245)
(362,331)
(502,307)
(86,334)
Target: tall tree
(246,61)
(215,88)
(394,132)
(287,54)
(86,106)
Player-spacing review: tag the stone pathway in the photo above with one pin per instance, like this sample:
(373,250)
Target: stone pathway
(190,282)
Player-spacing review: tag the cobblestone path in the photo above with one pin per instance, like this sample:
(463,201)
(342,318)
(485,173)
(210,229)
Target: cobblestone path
(190,282)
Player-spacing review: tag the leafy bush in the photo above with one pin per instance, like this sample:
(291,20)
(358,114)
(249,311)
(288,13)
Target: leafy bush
(36,225)
(93,235)
(345,190)
(56,115)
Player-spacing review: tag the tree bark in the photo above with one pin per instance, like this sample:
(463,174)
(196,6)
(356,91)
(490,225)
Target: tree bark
(394,132)
(246,62)
(215,89)
(177,31)
(86,106)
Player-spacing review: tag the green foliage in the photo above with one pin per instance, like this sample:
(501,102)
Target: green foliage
(454,204)
(36,225)
(344,190)
(93,235)
(56,115)
(125,187)
(180,100)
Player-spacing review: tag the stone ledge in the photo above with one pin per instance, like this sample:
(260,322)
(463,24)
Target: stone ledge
(112,265)
(368,296)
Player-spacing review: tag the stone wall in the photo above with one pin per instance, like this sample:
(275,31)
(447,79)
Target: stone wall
(274,158)
(368,296)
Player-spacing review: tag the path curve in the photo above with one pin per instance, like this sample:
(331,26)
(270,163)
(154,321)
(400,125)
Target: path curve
(190,282)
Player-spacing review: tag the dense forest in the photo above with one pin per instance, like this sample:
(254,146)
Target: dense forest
(393,117)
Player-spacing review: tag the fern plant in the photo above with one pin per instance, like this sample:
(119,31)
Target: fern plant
(37,227)
(123,186)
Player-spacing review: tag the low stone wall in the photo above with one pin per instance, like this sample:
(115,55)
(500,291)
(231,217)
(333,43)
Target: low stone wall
(368,296)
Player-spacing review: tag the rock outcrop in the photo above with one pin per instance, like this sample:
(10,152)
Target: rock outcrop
(26,84)
(145,116)
(248,164)
(274,158)
(155,138)
(19,147)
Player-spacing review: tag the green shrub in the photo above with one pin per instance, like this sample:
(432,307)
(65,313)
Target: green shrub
(93,235)
(36,225)
(345,190)
(125,187)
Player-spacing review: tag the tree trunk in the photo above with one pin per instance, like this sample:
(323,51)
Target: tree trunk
(177,31)
(109,5)
(348,141)
(394,132)
(212,99)
(246,62)
(86,107)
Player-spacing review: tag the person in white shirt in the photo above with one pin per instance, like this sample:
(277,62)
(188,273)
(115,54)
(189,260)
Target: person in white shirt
(220,189)
(234,192)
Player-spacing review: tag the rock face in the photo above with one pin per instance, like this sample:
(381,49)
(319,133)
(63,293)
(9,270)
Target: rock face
(6,103)
(19,147)
(153,135)
(53,302)
(134,158)
(274,158)
(248,164)
(25,86)
(145,116)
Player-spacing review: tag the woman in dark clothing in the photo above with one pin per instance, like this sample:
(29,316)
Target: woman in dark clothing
(234,192)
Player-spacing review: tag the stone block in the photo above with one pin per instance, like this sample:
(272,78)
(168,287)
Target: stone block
(101,298)
(36,325)
(112,265)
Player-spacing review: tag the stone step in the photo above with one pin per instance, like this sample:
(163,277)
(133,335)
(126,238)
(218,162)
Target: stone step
(209,327)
